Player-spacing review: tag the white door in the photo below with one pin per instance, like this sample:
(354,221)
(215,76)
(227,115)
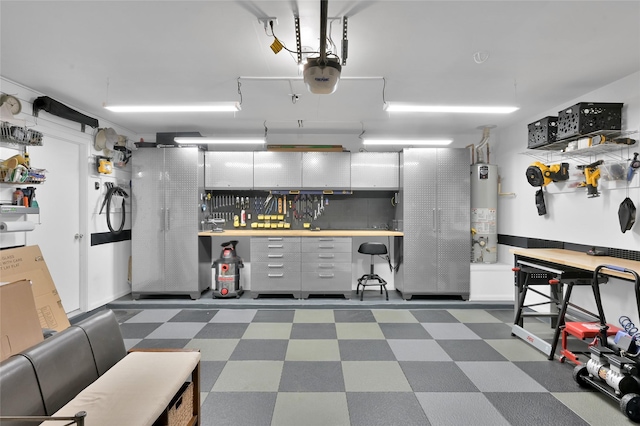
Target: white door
(59,233)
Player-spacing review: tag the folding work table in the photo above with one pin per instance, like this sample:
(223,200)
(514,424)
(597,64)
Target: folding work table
(554,267)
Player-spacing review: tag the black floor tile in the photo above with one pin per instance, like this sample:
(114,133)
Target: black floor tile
(431,376)
(353,315)
(385,408)
(365,350)
(209,372)
(491,330)
(194,315)
(137,330)
(238,408)
(222,331)
(303,376)
(470,350)
(541,409)
(274,315)
(256,349)
(404,331)
(313,331)
(552,375)
(162,343)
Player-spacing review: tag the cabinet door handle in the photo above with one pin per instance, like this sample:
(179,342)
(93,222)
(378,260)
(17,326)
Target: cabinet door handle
(433,220)
(276,256)
(274,265)
(168,219)
(164,219)
(275,245)
(326,246)
(326,266)
(439,221)
(326,275)
(326,256)
(275,275)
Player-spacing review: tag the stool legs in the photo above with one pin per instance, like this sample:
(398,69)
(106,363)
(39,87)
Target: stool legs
(362,281)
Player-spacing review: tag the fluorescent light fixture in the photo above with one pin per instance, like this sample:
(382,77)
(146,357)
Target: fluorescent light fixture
(438,142)
(208,107)
(219,141)
(399,107)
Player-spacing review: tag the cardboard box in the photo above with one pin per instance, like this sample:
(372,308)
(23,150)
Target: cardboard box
(19,325)
(27,263)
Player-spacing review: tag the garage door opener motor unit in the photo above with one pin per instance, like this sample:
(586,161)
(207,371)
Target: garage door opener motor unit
(227,272)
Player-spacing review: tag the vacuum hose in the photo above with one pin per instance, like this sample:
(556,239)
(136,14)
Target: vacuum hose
(115,190)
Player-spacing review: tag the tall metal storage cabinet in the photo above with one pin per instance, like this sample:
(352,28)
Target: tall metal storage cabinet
(166,188)
(435,210)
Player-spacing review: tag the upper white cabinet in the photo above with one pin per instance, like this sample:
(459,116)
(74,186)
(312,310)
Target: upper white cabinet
(375,171)
(228,170)
(277,170)
(326,170)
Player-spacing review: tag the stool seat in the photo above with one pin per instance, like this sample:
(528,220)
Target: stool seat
(372,249)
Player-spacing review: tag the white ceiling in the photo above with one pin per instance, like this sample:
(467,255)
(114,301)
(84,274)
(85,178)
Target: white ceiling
(542,54)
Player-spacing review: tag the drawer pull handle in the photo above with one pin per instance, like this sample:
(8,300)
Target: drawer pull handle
(326,246)
(276,245)
(275,256)
(326,265)
(326,239)
(326,275)
(326,256)
(274,239)
(281,265)
(275,275)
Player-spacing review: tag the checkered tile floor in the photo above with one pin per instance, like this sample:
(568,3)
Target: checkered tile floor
(304,367)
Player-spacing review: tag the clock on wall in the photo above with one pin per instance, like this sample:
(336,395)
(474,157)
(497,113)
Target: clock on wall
(14,103)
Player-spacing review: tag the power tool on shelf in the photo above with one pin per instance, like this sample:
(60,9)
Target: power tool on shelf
(539,174)
(591,177)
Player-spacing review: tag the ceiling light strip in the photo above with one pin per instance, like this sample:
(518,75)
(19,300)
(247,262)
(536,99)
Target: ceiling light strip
(400,107)
(406,142)
(211,107)
(219,141)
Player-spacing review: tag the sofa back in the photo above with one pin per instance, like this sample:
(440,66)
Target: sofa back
(43,378)
(19,390)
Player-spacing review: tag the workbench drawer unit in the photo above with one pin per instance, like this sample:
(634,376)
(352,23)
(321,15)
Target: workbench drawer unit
(326,266)
(275,266)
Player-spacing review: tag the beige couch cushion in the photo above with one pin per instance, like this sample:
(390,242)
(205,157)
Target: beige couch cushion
(135,391)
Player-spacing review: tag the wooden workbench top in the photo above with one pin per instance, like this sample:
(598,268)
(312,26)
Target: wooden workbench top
(302,233)
(579,260)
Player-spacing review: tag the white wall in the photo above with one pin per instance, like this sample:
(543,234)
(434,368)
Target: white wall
(572,217)
(103,275)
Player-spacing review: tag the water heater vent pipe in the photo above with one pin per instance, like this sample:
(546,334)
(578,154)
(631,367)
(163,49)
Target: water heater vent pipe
(480,154)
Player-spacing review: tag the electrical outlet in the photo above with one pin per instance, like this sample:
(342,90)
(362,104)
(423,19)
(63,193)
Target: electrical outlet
(265,21)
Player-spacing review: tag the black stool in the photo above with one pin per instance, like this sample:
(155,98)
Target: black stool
(372,249)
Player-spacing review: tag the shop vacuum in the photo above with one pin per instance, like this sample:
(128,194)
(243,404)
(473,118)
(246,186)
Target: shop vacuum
(227,272)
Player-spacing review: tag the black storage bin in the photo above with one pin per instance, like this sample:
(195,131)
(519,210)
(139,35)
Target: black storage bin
(542,132)
(587,117)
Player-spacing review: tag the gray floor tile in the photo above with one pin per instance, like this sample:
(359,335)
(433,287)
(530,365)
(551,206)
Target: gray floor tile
(504,315)
(525,409)
(473,315)
(266,315)
(194,315)
(404,331)
(154,315)
(249,376)
(393,315)
(552,375)
(418,350)
(238,408)
(594,407)
(130,343)
(356,315)
(270,349)
(222,331)
(374,376)
(433,315)
(123,315)
(365,350)
(470,350)
(460,409)
(450,331)
(433,376)
(313,350)
(209,373)
(311,409)
(234,316)
(177,330)
(313,331)
(268,330)
(162,343)
(385,408)
(301,376)
(491,330)
(214,349)
(138,330)
(499,377)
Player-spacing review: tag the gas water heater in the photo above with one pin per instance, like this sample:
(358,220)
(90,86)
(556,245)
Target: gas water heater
(484,207)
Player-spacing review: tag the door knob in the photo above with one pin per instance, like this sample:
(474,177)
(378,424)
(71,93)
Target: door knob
(78,236)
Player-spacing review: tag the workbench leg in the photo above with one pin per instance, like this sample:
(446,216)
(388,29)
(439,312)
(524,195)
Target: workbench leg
(556,293)
(560,321)
(523,293)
